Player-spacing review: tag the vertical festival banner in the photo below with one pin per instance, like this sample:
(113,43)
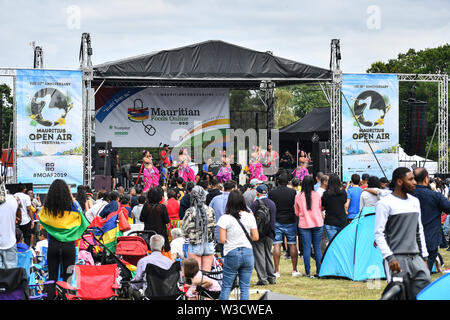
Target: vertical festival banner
(369,124)
(49,127)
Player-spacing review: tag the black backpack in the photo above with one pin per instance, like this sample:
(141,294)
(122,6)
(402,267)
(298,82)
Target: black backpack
(262,216)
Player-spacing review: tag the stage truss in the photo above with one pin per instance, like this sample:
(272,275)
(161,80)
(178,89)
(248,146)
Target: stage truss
(333,93)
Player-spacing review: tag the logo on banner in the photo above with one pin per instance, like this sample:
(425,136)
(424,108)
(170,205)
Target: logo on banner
(139,113)
(56,107)
(377,102)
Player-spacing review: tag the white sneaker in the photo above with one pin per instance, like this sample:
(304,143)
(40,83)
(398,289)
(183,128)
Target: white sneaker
(277,274)
(296,274)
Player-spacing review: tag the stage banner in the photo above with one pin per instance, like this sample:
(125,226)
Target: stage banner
(49,127)
(150,117)
(369,124)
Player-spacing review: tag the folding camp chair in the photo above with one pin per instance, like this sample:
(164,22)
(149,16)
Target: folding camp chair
(13,284)
(91,283)
(163,284)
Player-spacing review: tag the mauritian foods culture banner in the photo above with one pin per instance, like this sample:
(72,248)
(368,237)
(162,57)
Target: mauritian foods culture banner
(149,117)
(372,101)
(49,127)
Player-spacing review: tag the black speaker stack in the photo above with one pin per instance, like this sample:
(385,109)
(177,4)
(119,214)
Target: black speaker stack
(416,127)
(321,157)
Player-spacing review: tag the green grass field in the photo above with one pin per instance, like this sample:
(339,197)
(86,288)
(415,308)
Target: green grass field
(326,289)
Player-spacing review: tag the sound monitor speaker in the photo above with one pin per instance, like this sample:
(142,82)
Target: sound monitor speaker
(416,127)
(321,157)
(101,159)
(102,182)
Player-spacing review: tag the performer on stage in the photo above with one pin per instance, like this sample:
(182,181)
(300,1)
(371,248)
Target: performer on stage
(270,162)
(256,168)
(225,171)
(301,171)
(184,171)
(151,173)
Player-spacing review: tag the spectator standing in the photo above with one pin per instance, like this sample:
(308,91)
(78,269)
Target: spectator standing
(237,227)
(213,191)
(262,249)
(155,217)
(323,185)
(333,202)
(308,207)
(218,204)
(364,180)
(136,211)
(10,212)
(100,203)
(27,221)
(432,205)
(399,233)
(319,176)
(368,199)
(285,223)
(64,222)
(353,198)
(250,193)
(112,206)
(198,225)
(185,202)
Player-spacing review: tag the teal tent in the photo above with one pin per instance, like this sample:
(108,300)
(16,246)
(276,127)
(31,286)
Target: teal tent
(351,253)
(439,289)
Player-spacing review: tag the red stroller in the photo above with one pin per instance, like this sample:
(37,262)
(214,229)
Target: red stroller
(132,248)
(92,283)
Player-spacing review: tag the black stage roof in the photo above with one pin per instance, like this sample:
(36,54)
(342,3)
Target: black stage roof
(207,64)
(317,121)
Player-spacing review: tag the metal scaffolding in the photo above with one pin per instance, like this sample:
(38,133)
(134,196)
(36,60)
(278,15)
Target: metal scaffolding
(333,93)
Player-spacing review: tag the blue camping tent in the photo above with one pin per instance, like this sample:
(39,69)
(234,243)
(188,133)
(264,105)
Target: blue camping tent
(351,253)
(437,290)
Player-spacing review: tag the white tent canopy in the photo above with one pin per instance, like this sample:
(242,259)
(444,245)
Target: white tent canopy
(416,161)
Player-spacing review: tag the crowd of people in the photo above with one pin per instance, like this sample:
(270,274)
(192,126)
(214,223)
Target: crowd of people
(200,218)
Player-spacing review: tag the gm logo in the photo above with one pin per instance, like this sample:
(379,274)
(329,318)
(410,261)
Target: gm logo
(50,166)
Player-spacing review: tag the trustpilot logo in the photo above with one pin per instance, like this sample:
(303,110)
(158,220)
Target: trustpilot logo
(73,21)
(373,21)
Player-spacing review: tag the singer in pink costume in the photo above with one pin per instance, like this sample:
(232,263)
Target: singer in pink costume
(151,173)
(300,172)
(224,173)
(256,169)
(184,171)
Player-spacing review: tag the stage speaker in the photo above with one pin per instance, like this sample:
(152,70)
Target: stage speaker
(14,187)
(102,182)
(102,160)
(416,127)
(321,157)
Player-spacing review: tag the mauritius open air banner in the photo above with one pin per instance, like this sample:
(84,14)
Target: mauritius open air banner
(148,117)
(369,124)
(49,127)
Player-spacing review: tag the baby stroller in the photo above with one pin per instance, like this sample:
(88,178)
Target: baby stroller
(132,248)
(99,282)
(103,256)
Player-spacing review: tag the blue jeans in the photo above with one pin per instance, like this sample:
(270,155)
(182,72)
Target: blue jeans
(289,230)
(238,262)
(311,236)
(331,231)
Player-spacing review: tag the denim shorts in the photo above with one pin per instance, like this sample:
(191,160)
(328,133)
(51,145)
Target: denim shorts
(8,258)
(202,249)
(289,230)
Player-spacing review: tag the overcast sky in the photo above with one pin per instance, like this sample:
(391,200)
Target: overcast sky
(299,30)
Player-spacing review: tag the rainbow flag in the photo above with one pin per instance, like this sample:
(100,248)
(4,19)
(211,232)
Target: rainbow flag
(66,228)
